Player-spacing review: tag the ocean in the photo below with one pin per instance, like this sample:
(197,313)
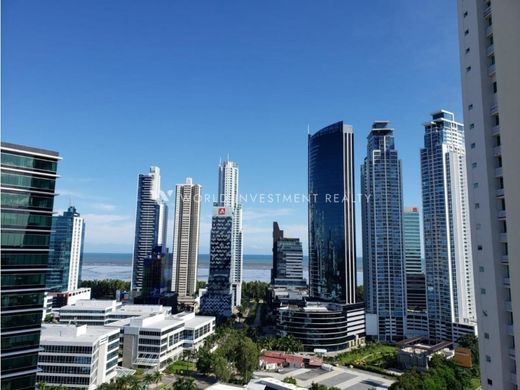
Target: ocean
(98,266)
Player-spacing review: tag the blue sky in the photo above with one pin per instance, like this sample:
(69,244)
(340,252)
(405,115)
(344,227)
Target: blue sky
(117,86)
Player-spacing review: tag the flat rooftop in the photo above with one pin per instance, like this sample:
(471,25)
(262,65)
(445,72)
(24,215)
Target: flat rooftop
(64,333)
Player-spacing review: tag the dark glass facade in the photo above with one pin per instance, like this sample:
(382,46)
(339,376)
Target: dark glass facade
(287,259)
(382,216)
(28,182)
(218,298)
(157,276)
(332,248)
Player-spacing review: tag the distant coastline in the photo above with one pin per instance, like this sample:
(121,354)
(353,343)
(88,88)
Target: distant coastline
(97,266)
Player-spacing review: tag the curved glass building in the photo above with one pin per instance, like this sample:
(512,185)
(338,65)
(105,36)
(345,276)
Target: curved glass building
(332,247)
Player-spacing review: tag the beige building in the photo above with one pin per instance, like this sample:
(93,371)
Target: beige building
(186,233)
(489,33)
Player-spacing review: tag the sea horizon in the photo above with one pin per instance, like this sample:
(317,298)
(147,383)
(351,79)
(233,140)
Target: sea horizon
(104,265)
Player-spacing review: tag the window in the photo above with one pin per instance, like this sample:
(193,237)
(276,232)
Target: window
(477,205)
(466,32)
(488,358)
(473,145)
(470,107)
(481,269)
(465,13)
(490,382)
(494,87)
(479,247)
(473,165)
(472,126)
(482,290)
(486,335)
(467,50)
(475,185)
(468,68)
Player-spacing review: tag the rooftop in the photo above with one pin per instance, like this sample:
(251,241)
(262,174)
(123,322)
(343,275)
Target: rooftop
(82,334)
(86,304)
(31,150)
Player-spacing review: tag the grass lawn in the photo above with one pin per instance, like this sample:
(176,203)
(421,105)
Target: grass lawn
(475,383)
(180,366)
(372,354)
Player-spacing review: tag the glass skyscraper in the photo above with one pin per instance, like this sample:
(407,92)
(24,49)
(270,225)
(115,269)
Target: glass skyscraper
(66,255)
(287,260)
(412,240)
(447,238)
(382,214)
(150,223)
(332,245)
(27,186)
(218,299)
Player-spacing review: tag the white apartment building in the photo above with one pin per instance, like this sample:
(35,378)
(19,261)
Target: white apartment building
(489,37)
(152,342)
(77,356)
(186,233)
(229,198)
(103,312)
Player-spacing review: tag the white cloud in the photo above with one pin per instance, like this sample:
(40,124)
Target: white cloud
(109,232)
(103,206)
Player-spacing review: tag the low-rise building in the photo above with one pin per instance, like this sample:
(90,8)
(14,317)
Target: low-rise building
(152,342)
(103,312)
(77,356)
(327,327)
(64,298)
(416,353)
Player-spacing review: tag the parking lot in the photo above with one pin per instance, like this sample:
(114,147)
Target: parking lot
(340,377)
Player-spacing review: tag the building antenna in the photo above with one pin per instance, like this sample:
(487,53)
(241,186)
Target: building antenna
(308,129)
(227,157)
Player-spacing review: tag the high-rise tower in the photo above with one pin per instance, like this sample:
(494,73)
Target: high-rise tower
(229,198)
(383,254)
(27,186)
(332,244)
(150,222)
(447,238)
(489,36)
(287,260)
(186,239)
(66,257)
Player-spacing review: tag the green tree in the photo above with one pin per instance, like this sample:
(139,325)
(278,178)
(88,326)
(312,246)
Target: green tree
(289,379)
(157,376)
(220,368)
(246,360)
(148,379)
(204,358)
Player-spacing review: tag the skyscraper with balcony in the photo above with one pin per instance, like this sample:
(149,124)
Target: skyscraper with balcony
(383,254)
(150,223)
(489,36)
(186,233)
(218,299)
(66,255)
(287,268)
(28,190)
(447,238)
(228,197)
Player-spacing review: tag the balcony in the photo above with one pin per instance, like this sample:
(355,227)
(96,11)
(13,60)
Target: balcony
(490,50)
(503,237)
(499,172)
(487,12)
(507,282)
(491,69)
(489,30)
(494,109)
(501,214)
(495,130)
(499,192)
(508,306)
(512,352)
(513,378)
(510,330)
(497,150)
(504,259)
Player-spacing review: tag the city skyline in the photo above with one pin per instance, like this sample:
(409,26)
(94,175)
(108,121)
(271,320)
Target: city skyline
(98,122)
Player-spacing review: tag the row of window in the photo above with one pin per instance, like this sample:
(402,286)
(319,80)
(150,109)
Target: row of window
(19,363)
(26,220)
(23,280)
(24,259)
(27,181)
(77,349)
(64,359)
(20,300)
(63,380)
(62,369)
(24,240)
(21,321)
(24,340)
(26,162)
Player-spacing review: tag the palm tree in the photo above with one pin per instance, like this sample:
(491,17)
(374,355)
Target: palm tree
(184,383)
(148,379)
(157,376)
